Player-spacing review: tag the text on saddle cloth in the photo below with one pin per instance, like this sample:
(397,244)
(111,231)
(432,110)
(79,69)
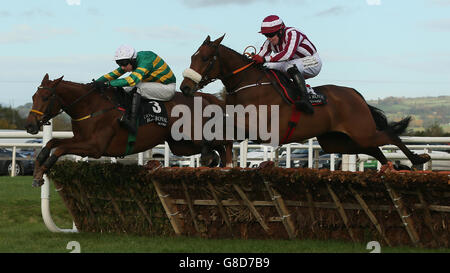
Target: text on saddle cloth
(153,111)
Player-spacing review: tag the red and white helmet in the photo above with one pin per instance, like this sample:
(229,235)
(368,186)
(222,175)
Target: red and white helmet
(271,24)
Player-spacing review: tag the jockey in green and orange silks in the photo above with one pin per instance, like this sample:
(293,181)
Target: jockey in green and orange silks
(150,75)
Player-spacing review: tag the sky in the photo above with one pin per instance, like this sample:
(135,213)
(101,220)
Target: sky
(382,48)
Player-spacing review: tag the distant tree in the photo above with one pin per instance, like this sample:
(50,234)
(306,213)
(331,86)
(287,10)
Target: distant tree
(432,131)
(4,124)
(11,119)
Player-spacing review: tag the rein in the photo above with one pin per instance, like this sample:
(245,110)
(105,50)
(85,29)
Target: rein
(46,115)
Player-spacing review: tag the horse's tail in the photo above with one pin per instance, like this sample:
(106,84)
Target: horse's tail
(381,121)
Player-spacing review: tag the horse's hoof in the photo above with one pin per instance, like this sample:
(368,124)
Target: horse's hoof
(210,160)
(153,165)
(37,183)
(421,159)
(266,164)
(206,161)
(387,168)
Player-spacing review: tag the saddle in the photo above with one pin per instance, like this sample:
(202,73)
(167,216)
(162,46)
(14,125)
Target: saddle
(149,110)
(287,89)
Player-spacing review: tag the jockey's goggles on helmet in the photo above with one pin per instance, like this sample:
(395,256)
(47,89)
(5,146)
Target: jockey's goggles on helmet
(270,35)
(123,62)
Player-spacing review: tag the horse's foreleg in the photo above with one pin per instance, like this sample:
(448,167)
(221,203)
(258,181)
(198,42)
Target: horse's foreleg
(43,156)
(90,148)
(229,154)
(52,143)
(226,156)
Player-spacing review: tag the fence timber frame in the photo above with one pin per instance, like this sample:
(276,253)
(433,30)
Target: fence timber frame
(268,198)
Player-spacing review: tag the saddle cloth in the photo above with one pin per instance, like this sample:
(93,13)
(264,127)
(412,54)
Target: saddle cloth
(149,110)
(153,111)
(289,93)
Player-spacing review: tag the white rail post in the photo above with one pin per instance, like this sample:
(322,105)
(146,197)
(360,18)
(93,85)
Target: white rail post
(288,155)
(141,158)
(166,154)
(352,163)
(45,192)
(310,153)
(332,162)
(13,162)
(243,154)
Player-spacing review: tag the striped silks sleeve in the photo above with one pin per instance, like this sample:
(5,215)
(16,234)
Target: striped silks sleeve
(111,75)
(162,73)
(134,78)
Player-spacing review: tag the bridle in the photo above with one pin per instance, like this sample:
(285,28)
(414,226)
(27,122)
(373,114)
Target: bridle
(47,114)
(203,80)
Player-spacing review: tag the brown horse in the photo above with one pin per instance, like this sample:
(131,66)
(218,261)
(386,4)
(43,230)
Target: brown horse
(96,131)
(346,124)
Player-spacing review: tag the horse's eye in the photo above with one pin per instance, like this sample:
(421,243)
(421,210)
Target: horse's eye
(205,59)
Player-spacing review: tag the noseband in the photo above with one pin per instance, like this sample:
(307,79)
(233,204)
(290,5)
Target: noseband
(202,81)
(46,115)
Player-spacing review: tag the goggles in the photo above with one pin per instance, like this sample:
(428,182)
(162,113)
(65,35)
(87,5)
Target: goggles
(123,62)
(270,35)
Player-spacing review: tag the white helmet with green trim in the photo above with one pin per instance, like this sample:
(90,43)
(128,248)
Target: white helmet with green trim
(125,52)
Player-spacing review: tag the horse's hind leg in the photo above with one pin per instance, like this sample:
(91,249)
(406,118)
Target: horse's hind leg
(336,142)
(225,153)
(413,157)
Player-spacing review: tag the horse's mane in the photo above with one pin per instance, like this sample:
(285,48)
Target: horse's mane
(76,84)
(243,57)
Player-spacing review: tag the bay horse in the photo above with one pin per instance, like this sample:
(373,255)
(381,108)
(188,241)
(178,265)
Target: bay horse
(346,124)
(97,132)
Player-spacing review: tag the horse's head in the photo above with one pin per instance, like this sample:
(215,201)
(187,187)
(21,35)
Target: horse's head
(46,105)
(204,67)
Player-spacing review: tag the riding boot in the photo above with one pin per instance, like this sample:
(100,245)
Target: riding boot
(303,104)
(129,122)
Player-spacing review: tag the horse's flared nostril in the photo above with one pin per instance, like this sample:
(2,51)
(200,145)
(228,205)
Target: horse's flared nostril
(186,90)
(31,129)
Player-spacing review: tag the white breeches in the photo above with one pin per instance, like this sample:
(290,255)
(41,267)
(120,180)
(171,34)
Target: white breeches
(309,66)
(154,90)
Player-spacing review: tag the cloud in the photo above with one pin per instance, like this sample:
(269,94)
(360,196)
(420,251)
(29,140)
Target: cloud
(25,33)
(441,2)
(4,13)
(164,32)
(209,3)
(73,2)
(37,12)
(373,2)
(334,11)
(439,25)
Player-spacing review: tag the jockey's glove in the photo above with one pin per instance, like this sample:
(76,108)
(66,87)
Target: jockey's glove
(258,59)
(100,85)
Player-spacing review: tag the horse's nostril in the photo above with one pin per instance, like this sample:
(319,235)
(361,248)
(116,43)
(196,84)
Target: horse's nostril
(186,90)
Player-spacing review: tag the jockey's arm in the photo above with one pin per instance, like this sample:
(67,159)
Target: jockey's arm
(265,50)
(293,41)
(111,75)
(134,78)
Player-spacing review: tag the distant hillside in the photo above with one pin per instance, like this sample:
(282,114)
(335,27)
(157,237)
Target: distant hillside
(426,111)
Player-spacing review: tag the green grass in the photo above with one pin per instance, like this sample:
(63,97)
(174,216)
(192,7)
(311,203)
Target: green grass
(23,231)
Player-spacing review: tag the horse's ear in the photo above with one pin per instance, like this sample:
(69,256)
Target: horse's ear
(218,41)
(57,81)
(45,79)
(207,40)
